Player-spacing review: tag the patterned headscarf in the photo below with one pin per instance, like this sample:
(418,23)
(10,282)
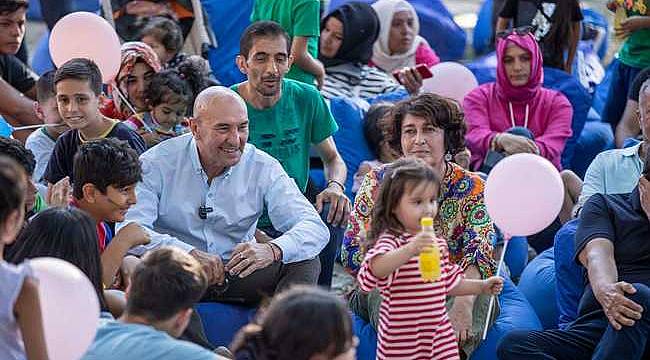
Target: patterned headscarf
(132,52)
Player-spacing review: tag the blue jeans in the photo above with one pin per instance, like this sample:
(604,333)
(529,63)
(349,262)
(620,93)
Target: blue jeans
(589,337)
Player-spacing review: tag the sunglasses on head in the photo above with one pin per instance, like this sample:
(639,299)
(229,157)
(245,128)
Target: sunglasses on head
(521,31)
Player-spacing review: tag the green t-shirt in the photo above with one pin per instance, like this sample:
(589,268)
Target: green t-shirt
(298,18)
(635,51)
(287,130)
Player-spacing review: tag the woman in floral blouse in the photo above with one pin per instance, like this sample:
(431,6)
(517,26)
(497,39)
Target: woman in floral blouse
(432,128)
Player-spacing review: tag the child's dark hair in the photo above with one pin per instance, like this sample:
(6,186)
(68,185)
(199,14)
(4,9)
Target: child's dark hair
(182,83)
(105,162)
(45,87)
(11,6)
(371,130)
(12,187)
(298,324)
(167,281)
(63,233)
(165,31)
(400,174)
(17,152)
(80,69)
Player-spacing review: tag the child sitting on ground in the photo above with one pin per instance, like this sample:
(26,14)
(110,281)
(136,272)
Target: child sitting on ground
(21,324)
(409,193)
(41,142)
(169,96)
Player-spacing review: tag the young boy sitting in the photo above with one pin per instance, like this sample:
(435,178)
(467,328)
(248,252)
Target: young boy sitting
(78,84)
(164,288)
(105,174)
(15,150)
(41,142)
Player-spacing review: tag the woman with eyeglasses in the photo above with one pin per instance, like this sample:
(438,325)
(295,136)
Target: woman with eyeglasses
(516,114)
(556,27)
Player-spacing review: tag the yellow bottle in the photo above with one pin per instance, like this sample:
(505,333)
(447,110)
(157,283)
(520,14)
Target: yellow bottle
(429,257)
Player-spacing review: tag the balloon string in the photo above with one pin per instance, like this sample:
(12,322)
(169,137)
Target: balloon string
(506,240)
(128,104)
(36,126)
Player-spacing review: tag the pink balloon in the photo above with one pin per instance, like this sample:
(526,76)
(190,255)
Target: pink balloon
(451,80)
(524,194)
(69,307)
(86,35)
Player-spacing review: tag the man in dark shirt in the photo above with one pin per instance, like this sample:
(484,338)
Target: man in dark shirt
(629,125)
(16,79)
(613,244)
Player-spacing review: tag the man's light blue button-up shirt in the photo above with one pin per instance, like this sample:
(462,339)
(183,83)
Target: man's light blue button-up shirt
(614,171)
(174,186)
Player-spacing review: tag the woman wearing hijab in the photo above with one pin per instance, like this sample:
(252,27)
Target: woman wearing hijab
(399,44)
(347,36)
(138,65)
(516,114)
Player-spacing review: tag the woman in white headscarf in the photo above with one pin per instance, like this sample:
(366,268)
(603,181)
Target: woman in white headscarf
(399,44)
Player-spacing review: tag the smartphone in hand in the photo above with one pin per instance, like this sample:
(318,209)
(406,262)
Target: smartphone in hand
(422,69)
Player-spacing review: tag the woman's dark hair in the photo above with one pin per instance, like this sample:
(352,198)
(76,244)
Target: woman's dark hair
(103,163)
(182,83)
(371,129)
(63,233)
(13,181)
(400,174)
(298,323)
(556,40)
(165,31)
(442,112)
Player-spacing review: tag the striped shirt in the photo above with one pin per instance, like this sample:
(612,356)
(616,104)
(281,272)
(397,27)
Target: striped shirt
(413,321)
(350,81)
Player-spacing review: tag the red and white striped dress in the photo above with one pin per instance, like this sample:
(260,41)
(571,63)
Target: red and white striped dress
(413,321)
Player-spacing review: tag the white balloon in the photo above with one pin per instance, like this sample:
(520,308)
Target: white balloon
(69,307)
(450,79)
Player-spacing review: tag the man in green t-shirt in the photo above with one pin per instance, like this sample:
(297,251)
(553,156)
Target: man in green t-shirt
(633,56)
(301,20)
(286,118)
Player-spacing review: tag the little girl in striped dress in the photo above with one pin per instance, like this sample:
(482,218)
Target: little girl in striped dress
(413,321)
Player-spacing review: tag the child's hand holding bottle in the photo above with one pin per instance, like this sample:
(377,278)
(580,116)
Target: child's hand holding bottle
(492,285)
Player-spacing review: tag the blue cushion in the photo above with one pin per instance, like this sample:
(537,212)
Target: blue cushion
(579,98)
(5,128)
(602,90)
(482,38)
(570,277)
(228,19)
(596,19)
(42,62)
(516,314)
(537,283)
(367,336)
(595,138)
(437,26)
(349,139)
(516,256)
(222,321)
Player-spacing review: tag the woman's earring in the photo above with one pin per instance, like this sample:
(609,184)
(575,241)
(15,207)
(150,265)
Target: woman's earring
(448,157)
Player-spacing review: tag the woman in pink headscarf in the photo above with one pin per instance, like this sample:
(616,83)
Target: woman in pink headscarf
(138,65)
(516,114)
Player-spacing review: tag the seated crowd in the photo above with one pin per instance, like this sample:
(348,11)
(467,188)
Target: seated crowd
(167,189)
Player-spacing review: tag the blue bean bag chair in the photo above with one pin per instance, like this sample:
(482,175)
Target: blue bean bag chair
(596,19)
(596,137)
(221,322)
(537,283)
(516,256)
(482,36)
(579,98)
(602,90)
(42,62)
(570,277)
(228,19)
(6,130)
(437,26)
(516,313)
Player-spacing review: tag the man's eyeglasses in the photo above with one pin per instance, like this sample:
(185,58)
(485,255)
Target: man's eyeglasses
(521,31)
